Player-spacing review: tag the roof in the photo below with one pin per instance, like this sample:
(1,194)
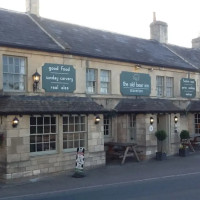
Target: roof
(192,56)
(107,45)
(147,105)
(48,105)
(193,107)
(18,30)
(22,31)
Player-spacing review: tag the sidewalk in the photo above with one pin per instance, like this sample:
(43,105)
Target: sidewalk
(111,173)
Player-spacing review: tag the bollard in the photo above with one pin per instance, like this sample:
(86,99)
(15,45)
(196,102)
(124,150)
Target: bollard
(79,173)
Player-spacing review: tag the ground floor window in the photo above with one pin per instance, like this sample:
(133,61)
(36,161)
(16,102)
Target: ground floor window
(132,126)
(42,133)
(74,131)
(197,123)
(107,126)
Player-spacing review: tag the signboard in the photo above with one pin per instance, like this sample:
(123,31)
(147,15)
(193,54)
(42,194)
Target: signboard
(58,78)
(135,84)
(188,88)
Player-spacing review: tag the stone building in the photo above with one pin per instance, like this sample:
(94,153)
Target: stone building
(80,75)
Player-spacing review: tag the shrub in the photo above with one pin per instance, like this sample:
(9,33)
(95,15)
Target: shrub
(184,134)
(161,135)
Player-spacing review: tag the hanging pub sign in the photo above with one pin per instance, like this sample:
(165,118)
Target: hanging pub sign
(188,88)
(135,84)
(58,78)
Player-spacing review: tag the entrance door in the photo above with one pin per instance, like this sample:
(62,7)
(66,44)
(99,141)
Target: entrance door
(163,123)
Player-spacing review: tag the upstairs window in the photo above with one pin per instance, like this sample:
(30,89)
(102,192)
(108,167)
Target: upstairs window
(105,82)
(169,86)
(91,80)
(14,74)
(160,86)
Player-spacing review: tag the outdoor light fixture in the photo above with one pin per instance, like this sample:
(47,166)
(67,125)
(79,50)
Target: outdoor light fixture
(15,122)
(36,80)
(151,120)
(175,119)
(97,119)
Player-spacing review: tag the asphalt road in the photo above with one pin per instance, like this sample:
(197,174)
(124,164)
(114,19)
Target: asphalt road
(175,178)
(182,186)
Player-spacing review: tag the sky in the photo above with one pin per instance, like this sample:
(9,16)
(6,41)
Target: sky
(128,17)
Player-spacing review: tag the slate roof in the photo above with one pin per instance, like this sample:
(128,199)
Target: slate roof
(107,45)
(19,30)
(191,55)
(147,105)
(48,105)
(193,107)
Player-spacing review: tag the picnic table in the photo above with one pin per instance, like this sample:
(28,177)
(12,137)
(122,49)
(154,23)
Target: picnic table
(122,149)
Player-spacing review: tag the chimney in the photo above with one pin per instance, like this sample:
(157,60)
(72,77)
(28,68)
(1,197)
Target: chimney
(158,30)
(32,7)
(196,43)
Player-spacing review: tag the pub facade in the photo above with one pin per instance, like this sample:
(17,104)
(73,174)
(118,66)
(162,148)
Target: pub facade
(59,79)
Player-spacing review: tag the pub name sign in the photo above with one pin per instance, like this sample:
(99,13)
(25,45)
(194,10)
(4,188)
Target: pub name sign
(58,78)
(135,84)
(188,88)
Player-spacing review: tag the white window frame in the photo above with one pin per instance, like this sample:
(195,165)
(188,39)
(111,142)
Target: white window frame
(105,81)
(169,87)
(160,86)
(14,73)
(74,134)
(107,123)
(47,139)
(91,80)
(197,123)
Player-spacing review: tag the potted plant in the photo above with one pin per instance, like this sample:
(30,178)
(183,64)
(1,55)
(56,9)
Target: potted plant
(184,136)
(161,136)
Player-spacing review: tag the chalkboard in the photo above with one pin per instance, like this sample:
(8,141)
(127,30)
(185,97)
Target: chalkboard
(188,88)
(58,78)
(135,84)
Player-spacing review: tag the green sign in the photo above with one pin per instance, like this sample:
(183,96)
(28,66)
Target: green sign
(188,88)
(135,84)
(58,78)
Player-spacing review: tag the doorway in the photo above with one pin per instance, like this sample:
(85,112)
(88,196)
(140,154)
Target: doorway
(163,123)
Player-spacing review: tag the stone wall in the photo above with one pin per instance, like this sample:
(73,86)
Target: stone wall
(20,162)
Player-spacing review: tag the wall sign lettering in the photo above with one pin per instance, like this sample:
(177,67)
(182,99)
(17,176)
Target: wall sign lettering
(58,78)
(188,88)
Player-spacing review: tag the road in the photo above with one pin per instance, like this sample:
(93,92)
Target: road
(182,186)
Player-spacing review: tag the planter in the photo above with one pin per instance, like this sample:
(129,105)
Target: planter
(161,156)
(183,152)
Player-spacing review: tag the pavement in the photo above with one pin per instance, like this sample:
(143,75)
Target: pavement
(112,173)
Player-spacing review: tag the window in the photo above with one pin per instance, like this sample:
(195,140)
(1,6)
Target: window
(160,86)
(42,133)
(169,86)
(107,126)
(197,123)
(105,82)
(74,131)
(132,126)
(91,80)
(14,71)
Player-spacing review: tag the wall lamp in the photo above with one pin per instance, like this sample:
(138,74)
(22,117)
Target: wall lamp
(137,66)
(151,120)
(175,119)
(97,119)
(36,80)
(15,122)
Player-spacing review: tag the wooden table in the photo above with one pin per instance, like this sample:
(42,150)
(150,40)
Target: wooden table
(126,148)
(195,140)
